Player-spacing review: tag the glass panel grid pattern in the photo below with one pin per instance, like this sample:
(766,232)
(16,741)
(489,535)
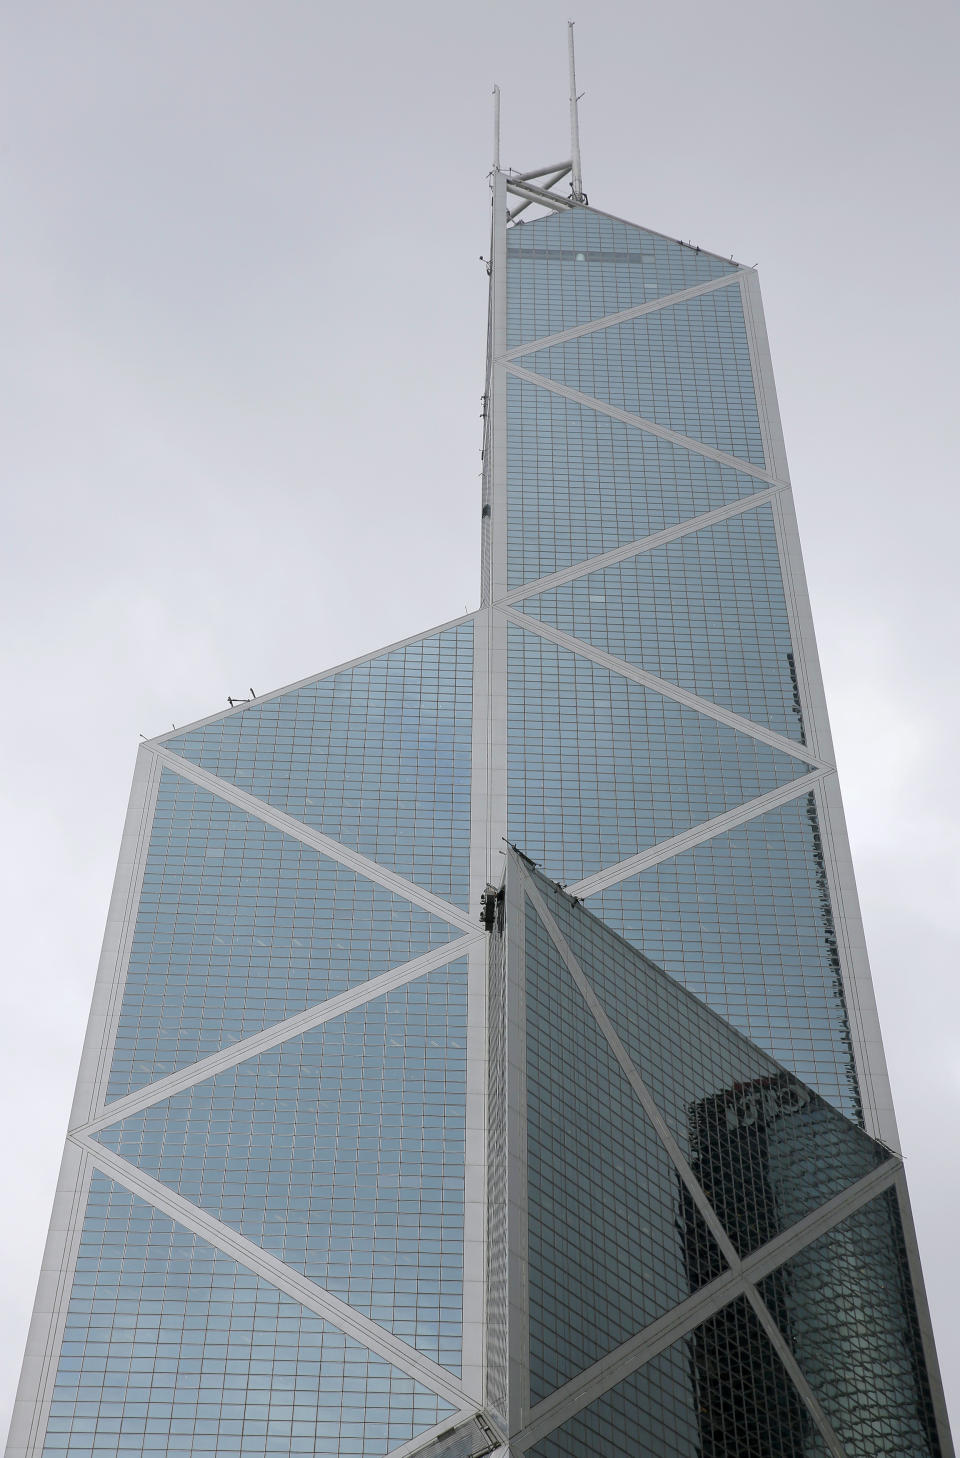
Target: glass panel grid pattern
(341,1152)
(719,1392)
(614,1240)
(238,927)
(580,483)
(765,1149)
(376,756)
(600,767)
(744,920)
(706,611)
(845,1304)
(171,1347)
(685,366)
(574,267)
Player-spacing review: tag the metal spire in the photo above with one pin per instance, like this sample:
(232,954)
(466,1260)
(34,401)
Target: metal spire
(496,128)
(576,179)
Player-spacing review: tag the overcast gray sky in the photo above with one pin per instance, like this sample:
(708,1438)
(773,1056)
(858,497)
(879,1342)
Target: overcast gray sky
(242,351)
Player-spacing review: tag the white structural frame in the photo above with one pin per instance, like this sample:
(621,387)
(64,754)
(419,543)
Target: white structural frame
(498,612)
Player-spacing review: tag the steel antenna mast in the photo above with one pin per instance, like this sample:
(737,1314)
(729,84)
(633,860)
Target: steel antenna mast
(576,179)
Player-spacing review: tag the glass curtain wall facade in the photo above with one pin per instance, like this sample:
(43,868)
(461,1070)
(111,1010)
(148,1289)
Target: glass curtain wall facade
(369,1157)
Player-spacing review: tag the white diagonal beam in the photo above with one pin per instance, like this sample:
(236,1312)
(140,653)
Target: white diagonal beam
(638,546)
(608,321)
(294,1284)
(631,1073)
(269,1037)
(312,678)
(706,830)
(335,850)
(663,686)
(603,407)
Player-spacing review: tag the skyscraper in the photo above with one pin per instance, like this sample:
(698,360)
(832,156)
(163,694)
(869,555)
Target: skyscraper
(483,1055)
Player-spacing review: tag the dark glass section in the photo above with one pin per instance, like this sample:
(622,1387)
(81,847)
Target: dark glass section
(570,268)
(498,1263)
(376,756)
(341,1152)
(614,1241)
(845,1305)
(705,611)
(720,1392)
(171,1348)
(600,767)
(580,483)
(239,927)
(685,366)
(765,1148)
(745,921)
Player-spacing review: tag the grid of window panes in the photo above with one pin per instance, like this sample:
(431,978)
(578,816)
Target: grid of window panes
(745,921)
(705,611)
(170,1347)
(240,926)
(580,483)
(614,1240)
(341,1152)
(600,767)
(570,268)
(719,1392)
(845,1305)
(376,756)
(685,366)
(766,1150)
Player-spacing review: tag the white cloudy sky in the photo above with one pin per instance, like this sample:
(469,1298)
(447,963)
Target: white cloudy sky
(242,345)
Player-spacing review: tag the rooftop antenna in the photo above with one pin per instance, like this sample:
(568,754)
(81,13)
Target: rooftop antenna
(496,128)
(576,179)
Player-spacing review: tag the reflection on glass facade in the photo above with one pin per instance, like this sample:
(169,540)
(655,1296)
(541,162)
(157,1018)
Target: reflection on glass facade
(379,1148)
(661,1146)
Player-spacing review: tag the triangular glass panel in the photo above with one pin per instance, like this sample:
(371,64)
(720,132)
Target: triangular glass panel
(580,483)
(170,1346)
(685,366)
(341,1152)
(705,611)
(579,265)
(745,921)
(719,1392)
(845,1305)
(239,926)
(765,1148)
(614,1237)
(600,767)
(376,756)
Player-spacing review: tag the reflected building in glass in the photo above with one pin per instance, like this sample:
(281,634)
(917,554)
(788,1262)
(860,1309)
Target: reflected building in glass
(483,1056)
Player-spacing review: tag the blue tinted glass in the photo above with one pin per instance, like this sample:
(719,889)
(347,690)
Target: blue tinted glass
(745,921)
(171,1347)
(240,926)
(341,1152)
(600,767)
(706,611)
(614,1239)
(570,268)
(685,366)
(845,1305)
(720,1392)
(580,483)
(376,756)
(765,1148)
